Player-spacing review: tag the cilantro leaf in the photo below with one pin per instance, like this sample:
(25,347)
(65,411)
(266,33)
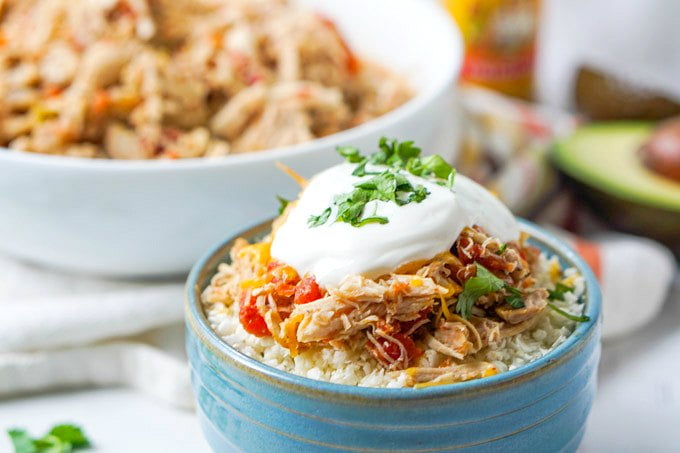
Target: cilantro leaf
(501,250)
(480,285)
(559,291)
(514,299)
(72,434)
(21,441)
(350,153)
(361,169)
(367,220)
(52,444)
(567,315)
(282,203)
(419,194)
(437,166)
(316,220)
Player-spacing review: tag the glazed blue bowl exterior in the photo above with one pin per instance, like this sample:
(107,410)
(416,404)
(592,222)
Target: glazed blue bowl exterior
(244,405)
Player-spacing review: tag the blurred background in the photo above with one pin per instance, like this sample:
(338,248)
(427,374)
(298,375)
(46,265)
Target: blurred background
(568,110)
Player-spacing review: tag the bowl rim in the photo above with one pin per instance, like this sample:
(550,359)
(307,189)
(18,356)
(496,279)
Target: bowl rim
(449,37)
(198,325)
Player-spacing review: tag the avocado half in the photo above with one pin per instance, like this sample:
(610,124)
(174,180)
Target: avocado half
(602,162)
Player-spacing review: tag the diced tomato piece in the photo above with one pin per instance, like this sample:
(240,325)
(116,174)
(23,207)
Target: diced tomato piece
(391,349)
(284,289)
(307,291)
(273,264)
(394,351)
(250,317)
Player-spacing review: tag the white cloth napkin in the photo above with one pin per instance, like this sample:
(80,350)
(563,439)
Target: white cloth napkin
(59,330)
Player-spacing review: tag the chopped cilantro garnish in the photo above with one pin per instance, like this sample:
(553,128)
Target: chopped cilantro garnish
(501,250)
(350,153)
(515,297)
(567,315)
(482,284)
(320,219)
(559,291)
(401,156)
(282,203)
(388,185)
(60,439)
(558,294)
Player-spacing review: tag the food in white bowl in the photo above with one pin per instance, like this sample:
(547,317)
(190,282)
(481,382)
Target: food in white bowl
(389,270)
(153,218)
(180,79)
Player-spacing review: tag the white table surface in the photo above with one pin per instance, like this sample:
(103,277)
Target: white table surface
(637,406)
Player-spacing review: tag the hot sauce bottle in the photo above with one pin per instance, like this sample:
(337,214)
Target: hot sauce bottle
(500,42)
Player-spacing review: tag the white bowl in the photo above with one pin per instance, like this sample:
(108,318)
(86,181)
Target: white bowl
(154,218)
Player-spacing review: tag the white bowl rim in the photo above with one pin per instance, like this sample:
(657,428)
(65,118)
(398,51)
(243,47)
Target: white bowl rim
(450,36)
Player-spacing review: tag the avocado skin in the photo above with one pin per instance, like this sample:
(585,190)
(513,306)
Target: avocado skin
(656,223)
(601,96)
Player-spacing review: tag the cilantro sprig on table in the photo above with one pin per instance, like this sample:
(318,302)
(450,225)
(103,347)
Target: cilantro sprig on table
(62,438)
(482,284)
(388,185)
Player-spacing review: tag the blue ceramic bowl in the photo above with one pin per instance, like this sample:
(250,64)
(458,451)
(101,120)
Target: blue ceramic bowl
(244,405)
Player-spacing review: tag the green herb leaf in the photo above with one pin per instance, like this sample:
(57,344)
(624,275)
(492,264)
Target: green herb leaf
(559,291)
(367,220)
(419,194)
(361,169)
(350,153)
(21,441)
(282,203)
(437,166)
(480,285)
(52,444)
(501,250)
(567,315)
(61,439)
(72,434)
(316,220)
(514,299)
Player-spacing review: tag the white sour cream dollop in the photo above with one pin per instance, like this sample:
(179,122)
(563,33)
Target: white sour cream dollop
(415,231)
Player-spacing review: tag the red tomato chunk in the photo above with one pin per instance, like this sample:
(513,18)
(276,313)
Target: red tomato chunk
(251,319)
(307,291)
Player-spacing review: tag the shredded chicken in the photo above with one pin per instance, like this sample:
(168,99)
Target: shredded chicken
(450,374)
(360,302)
(451,339)
(534,303)
(143,79)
